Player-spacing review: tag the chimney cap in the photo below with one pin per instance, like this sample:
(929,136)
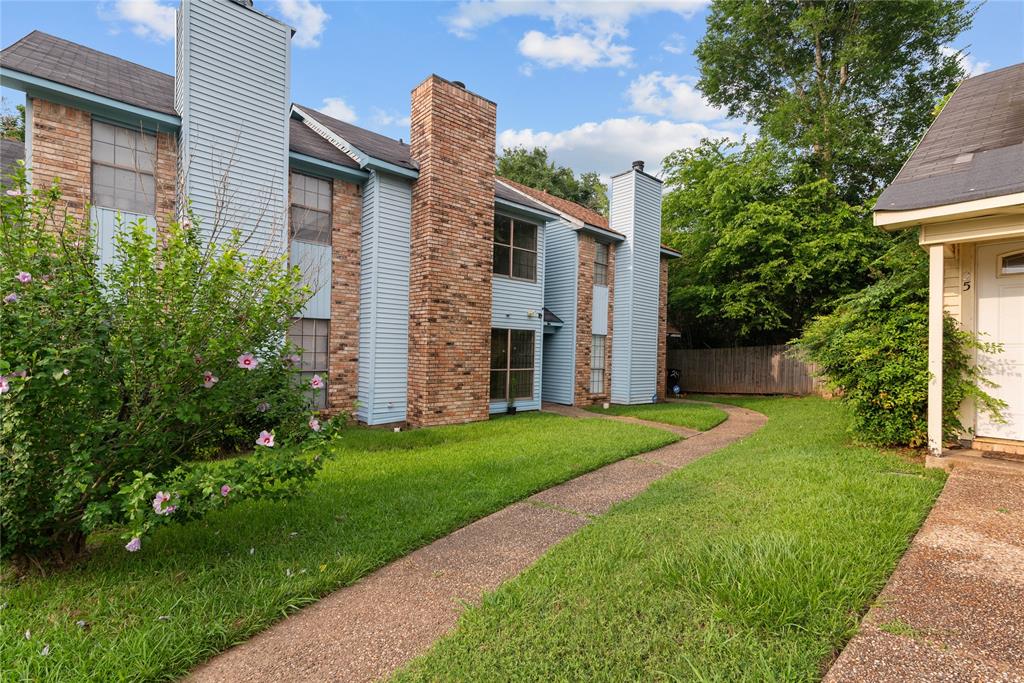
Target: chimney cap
(459,84)
(638,166)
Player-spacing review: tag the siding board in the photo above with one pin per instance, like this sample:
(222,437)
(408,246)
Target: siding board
(561,269)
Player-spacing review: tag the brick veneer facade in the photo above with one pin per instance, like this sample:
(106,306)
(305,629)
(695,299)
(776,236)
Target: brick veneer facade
(662,327)
(582,395)
(62,148)
(452,136)
(343,336)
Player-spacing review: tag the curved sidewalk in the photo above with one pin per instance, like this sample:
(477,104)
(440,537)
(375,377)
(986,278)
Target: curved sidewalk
(368,630)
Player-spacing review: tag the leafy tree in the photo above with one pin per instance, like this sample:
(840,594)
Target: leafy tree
(12,125)
(533,168)
(849,83)
(763,249)
(873,348)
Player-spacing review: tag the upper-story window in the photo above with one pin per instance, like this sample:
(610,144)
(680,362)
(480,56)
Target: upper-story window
(601,264)
(310,209)
(515,248)
(123,162)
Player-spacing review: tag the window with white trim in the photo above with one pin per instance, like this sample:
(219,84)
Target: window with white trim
(310,336)
(511,364)
(515,248)
(1012,264)
(598,347)
(123,166)
(310,211)
(600,264)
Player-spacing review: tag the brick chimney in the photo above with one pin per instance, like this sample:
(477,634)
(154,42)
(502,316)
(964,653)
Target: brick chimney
(452,136)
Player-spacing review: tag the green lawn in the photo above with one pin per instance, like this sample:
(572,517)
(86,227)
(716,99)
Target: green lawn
(752,564)
(692,415)
(196,589)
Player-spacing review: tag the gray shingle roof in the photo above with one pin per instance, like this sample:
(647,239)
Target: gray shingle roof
(302,139)
(376,145)
(11,151)
(502,191)
(973,150)
(55,59)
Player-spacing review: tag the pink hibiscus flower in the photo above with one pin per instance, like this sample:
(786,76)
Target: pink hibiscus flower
(14,193)
(316,382)
(134,545)
(265,439)
(314,424)
(225,490)
(247,361)
(161,503)
(23,277)
(5,386)
(10,298)
(209,379)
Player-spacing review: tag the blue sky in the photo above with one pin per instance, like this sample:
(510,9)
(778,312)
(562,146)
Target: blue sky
(598,83)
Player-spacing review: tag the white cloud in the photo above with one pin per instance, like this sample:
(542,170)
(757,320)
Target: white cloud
(970,65)
(610,146)
(339,109)
(386,118)
(475,14)
(307,18)
(670,95)
(146,18)
(576,50)
(587,34)
(675,44)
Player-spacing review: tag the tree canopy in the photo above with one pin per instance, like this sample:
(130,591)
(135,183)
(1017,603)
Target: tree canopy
(851,84)
(533,168)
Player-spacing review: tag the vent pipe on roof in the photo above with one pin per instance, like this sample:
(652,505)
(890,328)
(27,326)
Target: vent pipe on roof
(638,166)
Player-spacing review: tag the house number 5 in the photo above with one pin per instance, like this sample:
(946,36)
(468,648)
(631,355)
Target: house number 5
(967,281)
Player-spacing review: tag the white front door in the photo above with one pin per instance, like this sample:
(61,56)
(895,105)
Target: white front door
(1000,276)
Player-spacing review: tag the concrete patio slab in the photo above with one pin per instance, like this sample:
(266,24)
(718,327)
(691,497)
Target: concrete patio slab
(368,630)
(954,608)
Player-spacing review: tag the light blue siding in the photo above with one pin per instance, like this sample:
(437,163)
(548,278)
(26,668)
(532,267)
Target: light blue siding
(519,305)
(636,212)
(107,222)
(561,269)
(314,260)
(232,92)
(599,315)
(384,299)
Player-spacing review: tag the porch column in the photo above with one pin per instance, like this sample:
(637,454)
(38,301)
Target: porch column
(935,291)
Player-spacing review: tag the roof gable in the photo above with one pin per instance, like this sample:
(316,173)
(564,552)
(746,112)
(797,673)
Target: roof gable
(562,206)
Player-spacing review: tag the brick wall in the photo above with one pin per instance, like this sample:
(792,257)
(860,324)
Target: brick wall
(582,395)
(452,136)
(62,148)
(343,340)
(662,326)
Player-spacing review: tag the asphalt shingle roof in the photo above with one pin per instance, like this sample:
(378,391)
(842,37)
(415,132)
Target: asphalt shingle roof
(302,139)
(376,145)
(55,59)
(503,192)
(11,151)
(973,150)
(573,209)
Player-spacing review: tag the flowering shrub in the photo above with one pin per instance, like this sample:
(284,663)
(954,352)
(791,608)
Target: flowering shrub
(114,380)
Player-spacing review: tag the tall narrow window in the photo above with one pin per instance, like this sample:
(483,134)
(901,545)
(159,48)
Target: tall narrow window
(601,264)
(512,354)
(515,248)
(123,162)
(310,209)
(310,336)
(597,366)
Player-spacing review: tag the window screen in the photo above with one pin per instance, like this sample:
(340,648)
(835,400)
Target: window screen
(310,209)
(597,366)
(123,162)
(310,336)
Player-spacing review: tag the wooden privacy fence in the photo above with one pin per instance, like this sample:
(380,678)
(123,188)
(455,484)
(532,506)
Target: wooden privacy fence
(744,370)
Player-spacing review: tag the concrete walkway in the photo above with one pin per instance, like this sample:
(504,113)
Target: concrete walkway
(368,630)
(954,608)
